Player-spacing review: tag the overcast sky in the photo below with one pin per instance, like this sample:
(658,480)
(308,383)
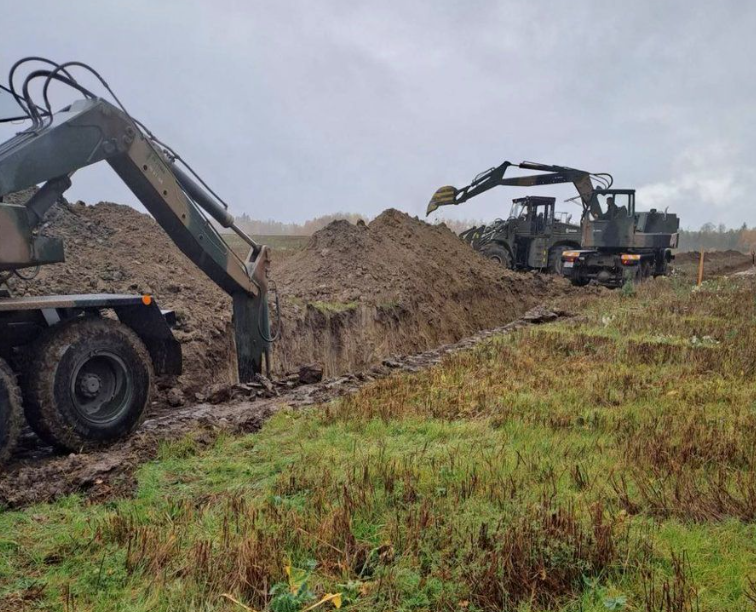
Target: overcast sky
(292,109)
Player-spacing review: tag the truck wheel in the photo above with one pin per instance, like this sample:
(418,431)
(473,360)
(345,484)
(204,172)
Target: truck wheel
(498,253)
(88,383)
(555,258)
(11,413)
(580,282)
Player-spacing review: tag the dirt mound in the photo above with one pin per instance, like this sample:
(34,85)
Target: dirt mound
(354,295)
(112,248)
(396,285)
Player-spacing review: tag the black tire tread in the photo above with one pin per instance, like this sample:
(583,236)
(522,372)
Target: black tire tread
(498,250)
(555,255)
(40,407)
(14,416)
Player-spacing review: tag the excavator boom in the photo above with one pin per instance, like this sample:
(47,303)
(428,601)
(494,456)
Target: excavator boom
(92,130)
(494,177)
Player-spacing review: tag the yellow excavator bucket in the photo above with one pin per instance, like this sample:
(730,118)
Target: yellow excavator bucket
(443,197)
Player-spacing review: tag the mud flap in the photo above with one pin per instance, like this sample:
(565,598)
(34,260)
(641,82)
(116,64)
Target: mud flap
(251,333)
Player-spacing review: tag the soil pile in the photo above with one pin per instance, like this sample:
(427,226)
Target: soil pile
(358,292)
(355,295)
(112,248)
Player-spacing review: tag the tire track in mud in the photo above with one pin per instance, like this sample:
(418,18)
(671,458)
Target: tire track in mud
(39,476)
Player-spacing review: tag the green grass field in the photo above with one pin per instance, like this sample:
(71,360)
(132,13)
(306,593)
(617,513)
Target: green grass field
(277,243)
(601,463)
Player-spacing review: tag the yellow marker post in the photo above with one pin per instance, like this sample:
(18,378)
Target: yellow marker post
(700,268)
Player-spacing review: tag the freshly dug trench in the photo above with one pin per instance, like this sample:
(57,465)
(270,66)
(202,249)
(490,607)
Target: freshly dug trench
(716,263)
(354,295)
(357,293)
(35,476)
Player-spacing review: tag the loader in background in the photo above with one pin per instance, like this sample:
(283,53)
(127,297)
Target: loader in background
(533,237)
(79,368)
(526,240)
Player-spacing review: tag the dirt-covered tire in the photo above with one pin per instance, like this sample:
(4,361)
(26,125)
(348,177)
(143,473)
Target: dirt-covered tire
(11,411)
(498,253)
(87,384)
(555,258)
(580,282)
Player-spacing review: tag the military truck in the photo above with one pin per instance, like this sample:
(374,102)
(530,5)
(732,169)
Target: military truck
(79,368)
(533,237)
(620,244)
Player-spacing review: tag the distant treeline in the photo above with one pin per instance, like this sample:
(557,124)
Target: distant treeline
(709,237)
(278,228)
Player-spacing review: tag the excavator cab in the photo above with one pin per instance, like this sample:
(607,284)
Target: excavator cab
(615,203)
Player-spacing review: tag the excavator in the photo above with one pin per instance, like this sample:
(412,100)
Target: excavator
(618,244)
(79,368)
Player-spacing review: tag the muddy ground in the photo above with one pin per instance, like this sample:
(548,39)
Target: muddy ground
(716,263)
(37,475)
(352,296)
(354,300)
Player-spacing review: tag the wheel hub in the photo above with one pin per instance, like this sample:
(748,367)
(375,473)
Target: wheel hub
(89,385)
(101,387)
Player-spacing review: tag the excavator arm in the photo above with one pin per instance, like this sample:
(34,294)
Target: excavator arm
(92,130)
(494,177)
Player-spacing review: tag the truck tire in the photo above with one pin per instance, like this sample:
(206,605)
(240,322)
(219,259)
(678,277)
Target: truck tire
(555,258)
(498,253)
(580,281)
(88,384)
(11,411)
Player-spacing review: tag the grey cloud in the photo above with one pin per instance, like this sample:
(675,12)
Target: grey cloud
(294,109)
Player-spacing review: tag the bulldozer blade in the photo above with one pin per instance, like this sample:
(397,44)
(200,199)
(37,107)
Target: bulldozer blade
(443,197)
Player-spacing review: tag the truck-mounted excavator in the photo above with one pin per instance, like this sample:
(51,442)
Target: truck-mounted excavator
(617,243)
(79,368)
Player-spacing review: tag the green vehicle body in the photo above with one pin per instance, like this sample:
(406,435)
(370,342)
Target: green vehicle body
(79,367)
(533,237)
(619,244)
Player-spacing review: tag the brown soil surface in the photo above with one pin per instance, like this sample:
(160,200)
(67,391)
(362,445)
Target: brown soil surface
(36,475)
(356,293)
(353,295)
(716,263)
(112,248)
